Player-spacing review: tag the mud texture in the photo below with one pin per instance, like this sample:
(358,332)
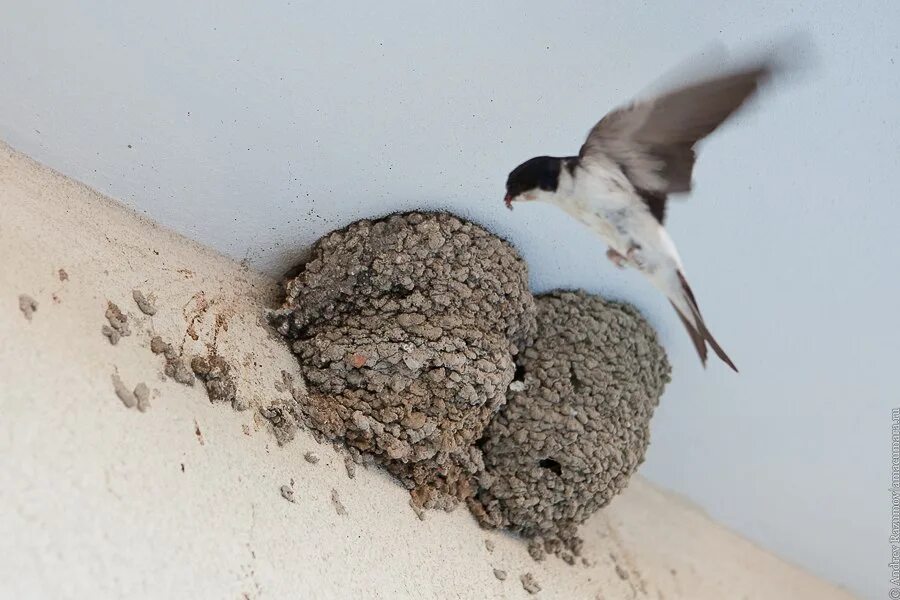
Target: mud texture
(350,466)
(423,351)
(175,366)
(339,507)
(143,302)
(567,443)
(288,493)
(118,324)
(405,329)
(530,583)
(139,397)
(142,395)
(215,372)
(283,425)
(111,334)
(158,345)
(125,395)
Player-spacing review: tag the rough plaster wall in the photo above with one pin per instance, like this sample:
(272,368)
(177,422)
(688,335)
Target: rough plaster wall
(185,501)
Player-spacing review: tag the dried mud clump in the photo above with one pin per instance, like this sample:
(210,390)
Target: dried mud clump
(283,425)
(118,324)
(215,373)
(567,442)
(145,303)
(175,367)
(405,329)
(28,306)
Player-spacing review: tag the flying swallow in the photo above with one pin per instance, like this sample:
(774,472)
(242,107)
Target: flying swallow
(632,160)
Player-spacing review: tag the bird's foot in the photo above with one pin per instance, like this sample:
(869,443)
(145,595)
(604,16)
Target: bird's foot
(635,256)
(616,258)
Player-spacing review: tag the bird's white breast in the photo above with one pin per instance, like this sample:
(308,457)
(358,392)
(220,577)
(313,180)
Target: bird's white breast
(601,197)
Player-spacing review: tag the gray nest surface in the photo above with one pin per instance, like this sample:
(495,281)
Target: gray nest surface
(406,330)
(576,422)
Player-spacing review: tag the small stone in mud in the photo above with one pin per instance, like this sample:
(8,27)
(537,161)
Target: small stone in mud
(529,583)
(339,508)
(63,276)
(27,305)
(500,574)
(489,544)
(144,303)
(358,360)
(125,395)
(311,457)
(287,493)
(142,393)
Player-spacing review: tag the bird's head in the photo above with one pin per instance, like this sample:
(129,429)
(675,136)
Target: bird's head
(534,179)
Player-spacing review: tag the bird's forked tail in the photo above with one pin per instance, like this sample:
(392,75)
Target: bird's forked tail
(689,313)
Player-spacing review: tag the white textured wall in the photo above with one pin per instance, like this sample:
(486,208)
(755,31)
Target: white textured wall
(255,130)
(183,500)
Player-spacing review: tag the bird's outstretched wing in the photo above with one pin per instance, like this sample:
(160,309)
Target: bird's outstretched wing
(653,140)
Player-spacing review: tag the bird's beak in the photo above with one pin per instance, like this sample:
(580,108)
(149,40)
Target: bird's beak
(508,201)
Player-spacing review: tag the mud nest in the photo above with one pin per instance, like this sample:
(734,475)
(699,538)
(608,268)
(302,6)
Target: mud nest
(576,422)
(406,330)
(424,351)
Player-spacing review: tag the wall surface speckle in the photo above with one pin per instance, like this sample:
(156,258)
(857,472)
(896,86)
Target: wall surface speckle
(256,130)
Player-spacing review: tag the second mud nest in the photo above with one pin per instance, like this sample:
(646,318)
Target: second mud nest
(576,422)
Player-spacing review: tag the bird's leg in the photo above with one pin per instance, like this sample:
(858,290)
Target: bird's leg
(616,258)
(635,256)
